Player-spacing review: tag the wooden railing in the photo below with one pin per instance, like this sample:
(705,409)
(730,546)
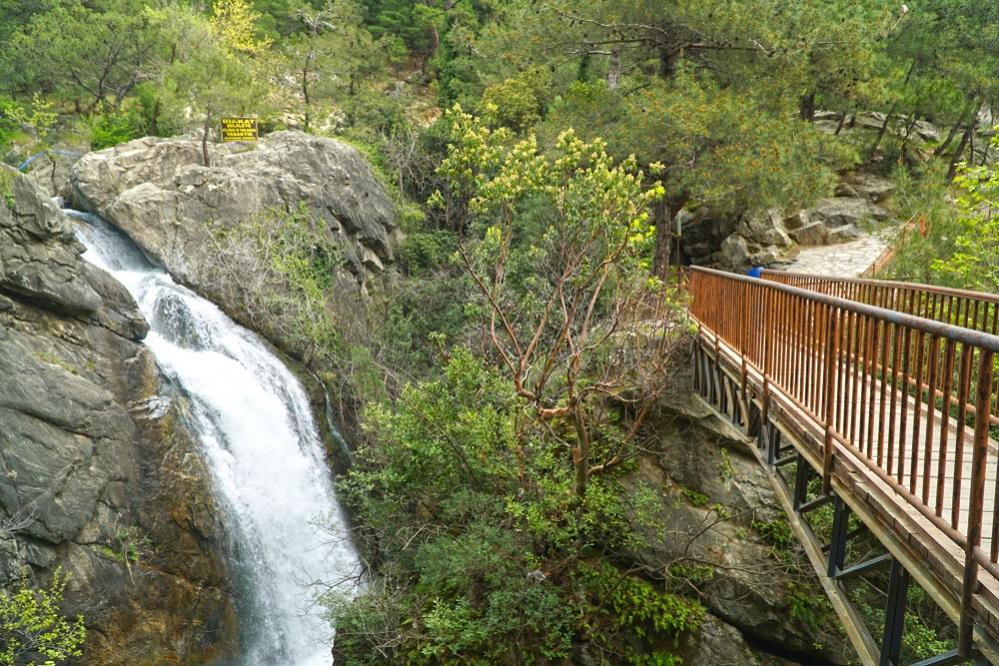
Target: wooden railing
(965,309)
(891,381)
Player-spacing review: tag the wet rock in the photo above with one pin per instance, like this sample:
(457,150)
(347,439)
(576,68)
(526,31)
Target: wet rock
(81,458)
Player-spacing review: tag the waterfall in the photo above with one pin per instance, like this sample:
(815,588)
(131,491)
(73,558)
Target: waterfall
(260,440)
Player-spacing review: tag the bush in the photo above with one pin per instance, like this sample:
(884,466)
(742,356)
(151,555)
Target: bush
(30,625)
(110,129)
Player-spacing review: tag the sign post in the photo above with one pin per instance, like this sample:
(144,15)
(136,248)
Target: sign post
(239,129)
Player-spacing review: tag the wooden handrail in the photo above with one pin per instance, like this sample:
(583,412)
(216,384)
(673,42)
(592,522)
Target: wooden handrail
(870,378)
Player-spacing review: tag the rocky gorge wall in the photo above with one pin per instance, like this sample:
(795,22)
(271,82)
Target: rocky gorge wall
(714,496)
(98,473)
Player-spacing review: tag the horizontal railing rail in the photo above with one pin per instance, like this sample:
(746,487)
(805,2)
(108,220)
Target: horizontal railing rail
(966,309)
(911,397)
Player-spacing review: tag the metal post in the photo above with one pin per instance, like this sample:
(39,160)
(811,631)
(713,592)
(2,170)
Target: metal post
(801,482)
(840,528)
(891,643)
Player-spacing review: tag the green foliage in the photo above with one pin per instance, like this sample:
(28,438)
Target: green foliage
(778,535)
(809,605)
(694,497)
(543,290)
(30,624)
(328,57)
(927,631)
(482,556)
(283,264)
(7,176)
(114,127)
(519,102)
(646,609)
(973,264)
(100,50)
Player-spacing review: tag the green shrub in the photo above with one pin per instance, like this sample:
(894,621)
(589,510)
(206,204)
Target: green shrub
(110,129)
(30,624)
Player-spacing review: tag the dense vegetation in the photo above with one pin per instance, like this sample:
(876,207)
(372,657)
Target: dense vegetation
(537,151)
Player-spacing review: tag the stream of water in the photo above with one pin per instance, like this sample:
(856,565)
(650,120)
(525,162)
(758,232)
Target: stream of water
(258,434)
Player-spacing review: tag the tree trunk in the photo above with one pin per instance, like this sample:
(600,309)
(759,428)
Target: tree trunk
(435,43)
(154,128)
(662,217)
(204,140)
(881,132)
(842,120)
(953,130)
(581,453)
(806,107)
(305,94)
(666,62)
(614,71)
(960,150)
(908,131)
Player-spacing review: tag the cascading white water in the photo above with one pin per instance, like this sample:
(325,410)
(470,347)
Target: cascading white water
(261,442)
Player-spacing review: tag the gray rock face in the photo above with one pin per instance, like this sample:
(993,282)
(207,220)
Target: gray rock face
(737,244)
(159,193)
(707,464)
(84,454)
(718,644)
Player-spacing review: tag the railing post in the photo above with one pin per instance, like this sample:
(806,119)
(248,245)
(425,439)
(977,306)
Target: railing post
(830,386)
(983,399)
(769,296)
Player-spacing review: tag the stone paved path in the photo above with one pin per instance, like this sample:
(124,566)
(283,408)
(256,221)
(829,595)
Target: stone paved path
(846,260)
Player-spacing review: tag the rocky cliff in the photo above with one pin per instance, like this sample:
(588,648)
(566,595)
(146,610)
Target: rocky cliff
(159,193)
(98,474)
(715,497)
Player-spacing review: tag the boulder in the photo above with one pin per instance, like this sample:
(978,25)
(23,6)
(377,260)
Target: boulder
(797,220)
(764,228)
(838,211)
(754,239)
(51,172)
(870,187)
(159,192)
(843,234)
(702,233)
(736,252)
(91,442)
(715,643)
(813,233)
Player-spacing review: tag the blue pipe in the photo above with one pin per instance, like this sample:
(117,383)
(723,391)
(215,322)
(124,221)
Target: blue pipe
(56,152)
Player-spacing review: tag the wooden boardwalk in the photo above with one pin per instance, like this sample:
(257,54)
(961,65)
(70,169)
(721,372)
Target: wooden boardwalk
(857,392)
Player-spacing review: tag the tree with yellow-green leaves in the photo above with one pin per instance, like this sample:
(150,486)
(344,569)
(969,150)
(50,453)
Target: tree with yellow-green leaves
(233,23)
(30,625)
(554,308)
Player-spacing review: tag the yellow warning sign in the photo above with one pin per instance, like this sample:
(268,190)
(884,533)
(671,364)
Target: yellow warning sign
(239,129)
